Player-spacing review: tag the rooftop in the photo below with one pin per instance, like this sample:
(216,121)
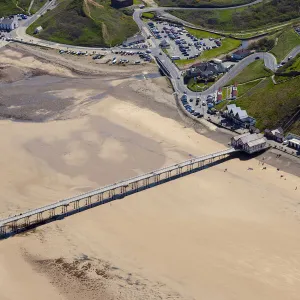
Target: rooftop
(256,142)
(6,21)
(295,141)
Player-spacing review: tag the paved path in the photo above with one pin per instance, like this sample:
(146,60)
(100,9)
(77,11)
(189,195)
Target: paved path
(173,72)
(30,6)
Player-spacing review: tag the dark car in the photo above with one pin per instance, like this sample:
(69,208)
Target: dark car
(257,57)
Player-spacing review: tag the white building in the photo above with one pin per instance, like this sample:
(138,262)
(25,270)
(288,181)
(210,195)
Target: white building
(249,143)
(294,143)
(38,29)
(9,23)
(239,116)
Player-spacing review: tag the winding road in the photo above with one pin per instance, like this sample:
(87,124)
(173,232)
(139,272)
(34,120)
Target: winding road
(165,62)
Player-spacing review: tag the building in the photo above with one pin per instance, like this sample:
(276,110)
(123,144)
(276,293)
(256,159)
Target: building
(164,44)
(276,134)
(9,24)
(205,70)
(219,95)
(249,143)
(234,91)
(38,29)
(293,141)
(240,54)
(239,116)
(137,39)
(121,3)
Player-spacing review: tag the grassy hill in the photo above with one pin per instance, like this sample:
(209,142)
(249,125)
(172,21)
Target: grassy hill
(85,23)
(287,40)
(235,20)
(271,104)
(9,7)
(252,72)
(204,3)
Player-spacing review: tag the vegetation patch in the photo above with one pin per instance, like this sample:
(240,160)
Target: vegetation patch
(228,45)
(221,105)
(205,3)
(85,23)
(148,15)
(202,34)
(245,87)
(291,66)
(272,105)
(252,72)
(37,4)
(263,45)
(295,128)
(287,40)
(199,86)
(11,7)
(236,20)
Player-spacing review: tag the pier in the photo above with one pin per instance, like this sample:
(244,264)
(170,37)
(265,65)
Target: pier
(66,207)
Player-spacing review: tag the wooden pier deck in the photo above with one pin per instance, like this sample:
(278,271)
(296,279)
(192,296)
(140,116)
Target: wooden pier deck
(69,206)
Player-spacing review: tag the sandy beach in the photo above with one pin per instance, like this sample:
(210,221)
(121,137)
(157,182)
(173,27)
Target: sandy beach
(210,235)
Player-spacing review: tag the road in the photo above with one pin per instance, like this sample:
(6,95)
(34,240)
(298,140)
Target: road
(174,73)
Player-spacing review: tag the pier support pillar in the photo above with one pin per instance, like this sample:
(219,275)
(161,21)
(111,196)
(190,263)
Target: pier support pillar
(100,197)
(76,204)
(146,182)
(111,193)
(88,201)
(64,209)
(14,226)
(2,230)
(27,221)
(52,212)
(169,174)
(39,217)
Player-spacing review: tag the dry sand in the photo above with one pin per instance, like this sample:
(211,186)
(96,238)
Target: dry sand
(210,235)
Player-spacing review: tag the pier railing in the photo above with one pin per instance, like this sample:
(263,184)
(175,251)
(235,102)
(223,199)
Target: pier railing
(69,206)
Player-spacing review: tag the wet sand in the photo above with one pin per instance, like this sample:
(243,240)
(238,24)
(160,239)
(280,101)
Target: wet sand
(209,235)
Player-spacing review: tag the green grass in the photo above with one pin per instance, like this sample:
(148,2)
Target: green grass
(270,104)
(228,45)
(9,7)
(221,105)
(198,86)
(245,87)
(224,93)
(295,128)
(137,2)
(294,65)
(238,20)
(201,33)
(148,15)
(252,72)
(286,42)
(72,23)
(204,3)
(37,4)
